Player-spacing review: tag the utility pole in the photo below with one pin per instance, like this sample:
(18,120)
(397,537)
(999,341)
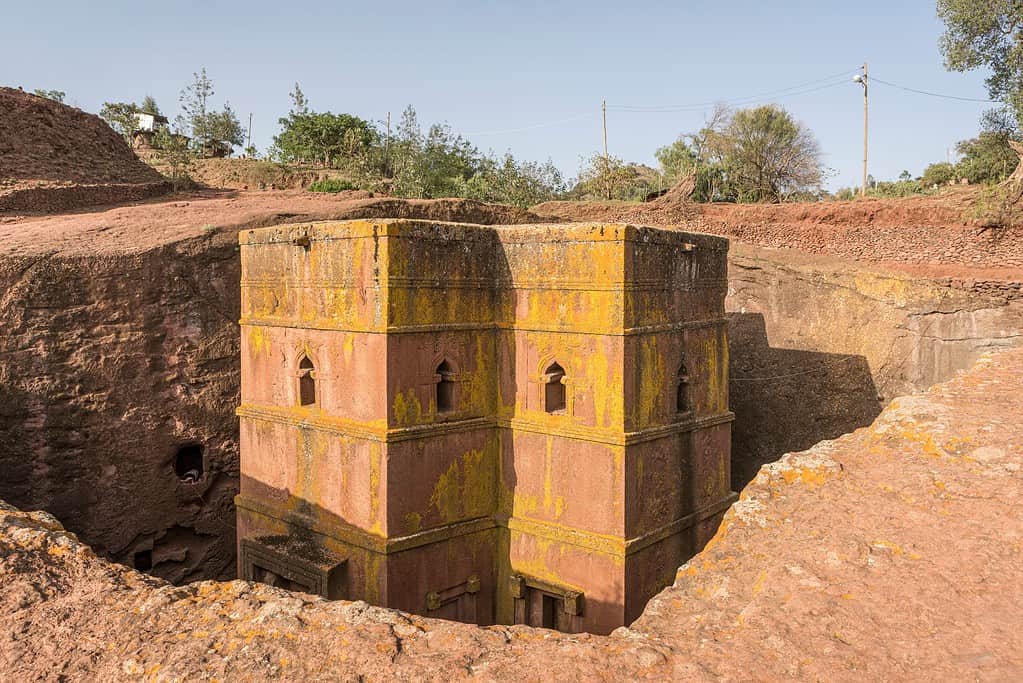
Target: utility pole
(607,159)
(862,80)
(387,146)
(248,145)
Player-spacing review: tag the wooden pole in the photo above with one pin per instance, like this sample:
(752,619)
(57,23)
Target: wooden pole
(607,158)
(248,145)
(863,189)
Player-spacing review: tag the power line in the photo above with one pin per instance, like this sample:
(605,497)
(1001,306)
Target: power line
(932,94)
(784,92)
(535,126)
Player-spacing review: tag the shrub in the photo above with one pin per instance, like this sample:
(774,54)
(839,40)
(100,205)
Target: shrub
(332,185)
(938,174)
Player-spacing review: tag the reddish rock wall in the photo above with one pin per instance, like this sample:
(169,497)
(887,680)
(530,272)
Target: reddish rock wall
(890,553)
(819,345)
(119,346)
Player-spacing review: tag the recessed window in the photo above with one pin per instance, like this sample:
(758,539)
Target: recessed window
(445,388)
(306,382)
(188,463)
(682,389)
(554,389)
(143,560)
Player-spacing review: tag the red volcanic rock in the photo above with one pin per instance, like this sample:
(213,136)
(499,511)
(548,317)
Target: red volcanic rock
(890,553)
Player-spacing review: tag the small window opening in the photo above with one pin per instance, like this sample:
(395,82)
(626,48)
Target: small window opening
(445,388)
(306,382)
(554,389)
(682,390)
(143,560)
(188,463)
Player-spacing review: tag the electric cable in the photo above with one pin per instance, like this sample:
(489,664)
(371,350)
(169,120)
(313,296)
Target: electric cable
(737,100)
(870,79)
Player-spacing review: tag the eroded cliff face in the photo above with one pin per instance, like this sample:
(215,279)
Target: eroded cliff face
(110,364)
(890,553)
(818,346)
(119,368)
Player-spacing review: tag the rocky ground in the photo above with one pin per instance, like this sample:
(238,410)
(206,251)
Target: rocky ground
(890,553)
(56,157)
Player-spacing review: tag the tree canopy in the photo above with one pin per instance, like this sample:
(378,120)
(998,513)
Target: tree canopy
(766,155)
(211,131)
(122,117)
(987,34)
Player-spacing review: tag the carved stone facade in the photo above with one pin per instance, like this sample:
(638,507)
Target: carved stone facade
(521,424)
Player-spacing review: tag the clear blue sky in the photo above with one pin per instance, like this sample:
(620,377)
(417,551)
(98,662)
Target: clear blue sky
(488,66)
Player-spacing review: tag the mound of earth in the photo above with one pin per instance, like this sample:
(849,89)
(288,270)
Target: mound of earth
(892,553)
(56,157)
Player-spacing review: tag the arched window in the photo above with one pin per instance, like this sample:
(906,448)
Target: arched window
(445,388)
(306,382)
(554,389)
(682,388)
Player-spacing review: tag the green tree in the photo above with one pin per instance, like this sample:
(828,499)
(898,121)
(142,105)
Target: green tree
(195,110)
(507,181)
(437,164)
(691,152)
(938,174)
(766,155)
(172,149)
(987,34)
(224,129)
(325,138)
(149,106)
(988,158)
(122,117)
(609,177)
(299,103)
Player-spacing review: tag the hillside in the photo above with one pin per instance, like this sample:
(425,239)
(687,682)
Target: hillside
(53,157)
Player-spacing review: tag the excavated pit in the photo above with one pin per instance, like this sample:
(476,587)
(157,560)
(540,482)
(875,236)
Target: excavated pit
(119,369)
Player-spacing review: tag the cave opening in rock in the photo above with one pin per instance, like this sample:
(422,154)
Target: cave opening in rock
(188,463)
(143,560)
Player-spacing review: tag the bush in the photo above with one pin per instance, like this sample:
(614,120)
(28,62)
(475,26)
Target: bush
(332,185)
(886,189)
(938,174)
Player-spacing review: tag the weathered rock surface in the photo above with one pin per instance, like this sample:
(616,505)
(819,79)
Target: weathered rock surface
(818,345)
(119,346)
(890,553)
